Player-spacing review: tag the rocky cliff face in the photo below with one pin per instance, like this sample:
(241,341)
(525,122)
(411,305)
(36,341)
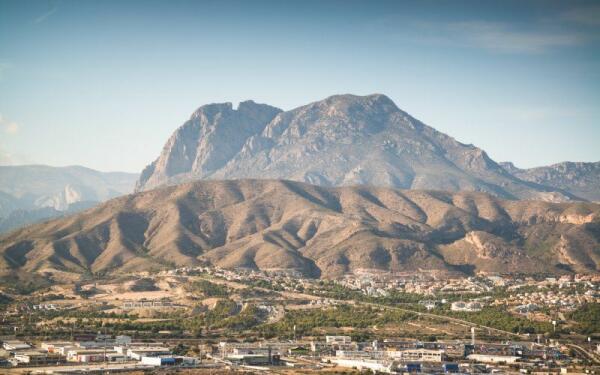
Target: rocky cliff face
(342,140)
(321,232)
(579,179)
(213,135)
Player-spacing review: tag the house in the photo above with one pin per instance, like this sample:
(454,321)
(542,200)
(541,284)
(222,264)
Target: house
(429,305)
(466,306)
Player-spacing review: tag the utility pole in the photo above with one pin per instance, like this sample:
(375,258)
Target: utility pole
(104,342)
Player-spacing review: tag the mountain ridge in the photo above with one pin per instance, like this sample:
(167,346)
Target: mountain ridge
(579,178)
(319,231)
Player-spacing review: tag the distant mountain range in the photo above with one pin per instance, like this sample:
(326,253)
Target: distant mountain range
(321,232)
(32,193)
(340,141)
(579,179)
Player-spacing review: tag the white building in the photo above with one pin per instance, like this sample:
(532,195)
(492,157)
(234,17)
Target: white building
(50,346)
(150,351)
(465,306)
(355,354)
(15,345)
(489,358)
(63,349)
(36,358)
(331,340)
(88,355)
(366,364)
(418,355)
(170,361)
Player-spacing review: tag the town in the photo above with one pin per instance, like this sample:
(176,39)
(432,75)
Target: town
(208,318)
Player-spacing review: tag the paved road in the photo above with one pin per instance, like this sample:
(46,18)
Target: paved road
(90,367)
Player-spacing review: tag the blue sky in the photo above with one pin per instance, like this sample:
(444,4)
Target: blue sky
(103,84)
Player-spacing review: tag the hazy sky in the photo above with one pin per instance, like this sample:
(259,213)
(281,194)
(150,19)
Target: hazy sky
(103,84)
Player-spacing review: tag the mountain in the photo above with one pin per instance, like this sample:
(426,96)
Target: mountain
(213,135)
(31,193)
(19,218)
(580,179)
(319,231)
(340,141)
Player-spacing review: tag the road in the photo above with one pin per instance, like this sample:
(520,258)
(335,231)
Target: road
(594,358)
(87,367)
(445,318)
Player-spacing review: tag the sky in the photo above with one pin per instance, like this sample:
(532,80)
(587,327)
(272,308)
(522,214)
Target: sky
(104,83)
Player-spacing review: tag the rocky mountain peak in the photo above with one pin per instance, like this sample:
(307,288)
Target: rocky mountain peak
(340,140)
(509,166)
(212,136)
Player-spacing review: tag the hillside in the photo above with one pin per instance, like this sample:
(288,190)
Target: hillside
(322,232)
(340,141)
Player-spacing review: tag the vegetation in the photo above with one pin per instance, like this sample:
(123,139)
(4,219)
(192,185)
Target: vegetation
(23,284)
(587,318)
(247,319)
(306,321)
(208,289)
(334,290)
(144,285)
(500,319)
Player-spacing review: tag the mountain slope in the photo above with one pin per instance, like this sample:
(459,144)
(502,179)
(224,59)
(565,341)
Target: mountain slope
(580,179)
(322,232)
(342,140)
(30,193)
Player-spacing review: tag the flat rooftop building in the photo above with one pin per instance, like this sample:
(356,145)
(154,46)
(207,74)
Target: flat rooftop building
(418,355)
(38,358)
(489,358)
(150,351)
(12,345)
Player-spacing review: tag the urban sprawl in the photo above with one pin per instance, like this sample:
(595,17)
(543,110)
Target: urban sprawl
(207,319)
